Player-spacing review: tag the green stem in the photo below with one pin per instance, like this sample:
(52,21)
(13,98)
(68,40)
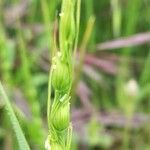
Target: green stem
(23,145)
(77,26)
(49,97)
(126,136)
(69,138)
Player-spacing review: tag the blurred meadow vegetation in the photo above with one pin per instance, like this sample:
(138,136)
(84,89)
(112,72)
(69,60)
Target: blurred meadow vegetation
(111,91)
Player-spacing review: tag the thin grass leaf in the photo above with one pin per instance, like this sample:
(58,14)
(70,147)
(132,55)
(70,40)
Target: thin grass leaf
(116,17)
(47,23)
(23,145)
(77,26)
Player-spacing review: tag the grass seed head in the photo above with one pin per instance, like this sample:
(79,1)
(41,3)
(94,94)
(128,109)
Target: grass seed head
(61,118)
(61,78)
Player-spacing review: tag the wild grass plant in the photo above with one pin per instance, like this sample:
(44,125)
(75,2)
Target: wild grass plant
(61,78)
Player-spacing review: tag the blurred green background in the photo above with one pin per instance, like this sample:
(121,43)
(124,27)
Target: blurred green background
(111,94)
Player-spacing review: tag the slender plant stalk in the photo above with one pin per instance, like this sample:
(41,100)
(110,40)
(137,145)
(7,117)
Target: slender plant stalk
(77,26)
(23,145)
(48,17)
(116,17)
(47,23)
(89,11)
(61,78)
(127,134)
(49,97)
(82,51)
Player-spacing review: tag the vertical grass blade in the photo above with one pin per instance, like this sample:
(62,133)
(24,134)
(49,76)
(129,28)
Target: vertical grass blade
(77,26)
(23,145)
(116,17)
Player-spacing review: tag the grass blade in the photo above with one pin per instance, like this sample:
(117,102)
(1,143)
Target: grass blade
(23,145)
